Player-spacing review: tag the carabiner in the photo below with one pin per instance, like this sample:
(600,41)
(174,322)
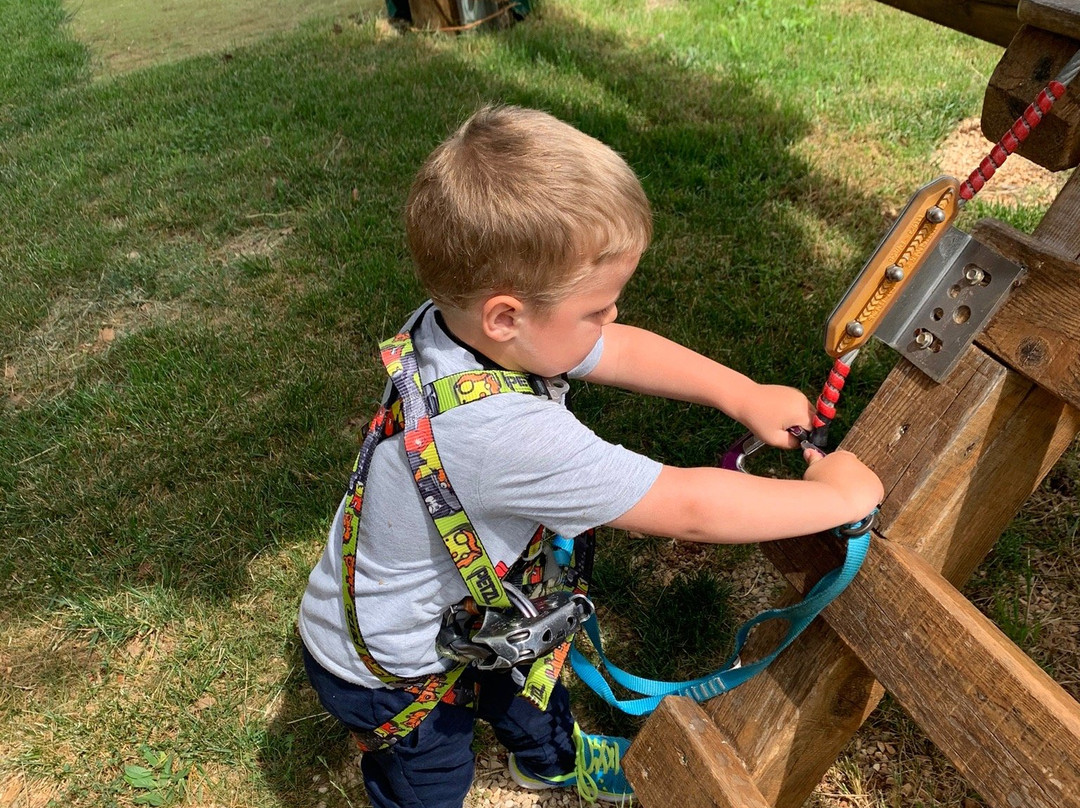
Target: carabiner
(855,529)
(734,459)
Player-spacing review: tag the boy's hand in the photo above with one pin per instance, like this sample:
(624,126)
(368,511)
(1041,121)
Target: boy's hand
(773,410)
(848,476)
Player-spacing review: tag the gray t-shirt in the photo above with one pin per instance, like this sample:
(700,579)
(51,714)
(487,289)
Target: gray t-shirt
(515,462)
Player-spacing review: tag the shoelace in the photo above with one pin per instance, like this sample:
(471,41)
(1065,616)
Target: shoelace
(603,757)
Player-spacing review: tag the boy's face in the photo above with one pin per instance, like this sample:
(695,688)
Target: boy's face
(555,341)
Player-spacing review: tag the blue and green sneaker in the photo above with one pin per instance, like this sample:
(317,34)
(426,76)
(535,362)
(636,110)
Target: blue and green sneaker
(597,774)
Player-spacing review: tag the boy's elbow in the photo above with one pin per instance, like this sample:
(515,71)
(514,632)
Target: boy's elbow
(677,506)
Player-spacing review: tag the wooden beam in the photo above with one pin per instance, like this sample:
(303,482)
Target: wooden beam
(1058,16)
(706,772)
(992,20)
(987,440)
(1033,58)
(790,723)
(1010,729)
(1037,332)
(1057,232)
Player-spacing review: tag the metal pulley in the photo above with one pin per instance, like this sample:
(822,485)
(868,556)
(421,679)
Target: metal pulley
(506,638)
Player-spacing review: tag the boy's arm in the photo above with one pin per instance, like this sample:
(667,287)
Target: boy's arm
(730,507)
(644,362)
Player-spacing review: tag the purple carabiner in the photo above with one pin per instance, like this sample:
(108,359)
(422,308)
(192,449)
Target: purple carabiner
(734,458)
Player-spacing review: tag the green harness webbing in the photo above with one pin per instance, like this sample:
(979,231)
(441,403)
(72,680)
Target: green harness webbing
(409,407)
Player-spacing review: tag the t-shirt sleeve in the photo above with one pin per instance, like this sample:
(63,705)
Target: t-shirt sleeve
(544,464)
(589,363)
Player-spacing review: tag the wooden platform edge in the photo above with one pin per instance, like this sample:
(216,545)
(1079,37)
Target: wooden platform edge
(991,20)
(693,758)
(1058,16)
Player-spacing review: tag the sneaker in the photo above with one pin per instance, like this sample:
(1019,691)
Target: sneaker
(597,774)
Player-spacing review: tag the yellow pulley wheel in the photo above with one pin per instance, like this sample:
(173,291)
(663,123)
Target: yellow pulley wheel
(887,272)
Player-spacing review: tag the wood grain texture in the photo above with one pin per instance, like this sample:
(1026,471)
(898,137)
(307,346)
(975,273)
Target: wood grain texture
(1010,729)
(959,459)
(1033,58)
(1059,16)
(681,758)
(1037,331)
(1059,230)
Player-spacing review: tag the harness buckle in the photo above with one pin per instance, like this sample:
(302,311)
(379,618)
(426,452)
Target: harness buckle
(505,639)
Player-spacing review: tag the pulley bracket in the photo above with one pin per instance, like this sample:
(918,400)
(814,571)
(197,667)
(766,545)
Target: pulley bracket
(960,286)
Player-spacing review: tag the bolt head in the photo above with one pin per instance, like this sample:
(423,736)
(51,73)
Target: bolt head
(894,273)
(854,329)
(935,214)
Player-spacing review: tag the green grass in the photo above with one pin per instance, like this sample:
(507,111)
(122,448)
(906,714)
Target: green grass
(198,257)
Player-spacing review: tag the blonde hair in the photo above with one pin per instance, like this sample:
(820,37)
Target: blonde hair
(518,202)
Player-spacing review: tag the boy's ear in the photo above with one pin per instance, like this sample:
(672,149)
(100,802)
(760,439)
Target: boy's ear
(500,317)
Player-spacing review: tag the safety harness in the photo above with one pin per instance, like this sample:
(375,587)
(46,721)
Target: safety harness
(528,613)
(513,616)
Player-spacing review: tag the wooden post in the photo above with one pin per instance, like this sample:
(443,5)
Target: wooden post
(958,460)
(1034,58)
(680,729)
(992,20)
(1059,16)
(434,13)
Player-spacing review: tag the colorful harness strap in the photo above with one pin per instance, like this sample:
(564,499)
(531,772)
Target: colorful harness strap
(409,407)
(457,532)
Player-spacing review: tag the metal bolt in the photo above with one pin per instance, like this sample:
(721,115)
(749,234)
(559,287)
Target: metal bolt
(894,273)
(935,214)
(974,275)
(854,329)
(924,339)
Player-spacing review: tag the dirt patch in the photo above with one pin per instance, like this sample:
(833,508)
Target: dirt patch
(256,242)
(76,329)
(1017,182)
(18,792)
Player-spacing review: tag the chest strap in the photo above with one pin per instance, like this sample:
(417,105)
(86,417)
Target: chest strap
(409,407)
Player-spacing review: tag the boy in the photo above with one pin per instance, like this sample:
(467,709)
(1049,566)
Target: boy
(524,232)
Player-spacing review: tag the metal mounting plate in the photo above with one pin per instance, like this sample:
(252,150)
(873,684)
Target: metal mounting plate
(949,301)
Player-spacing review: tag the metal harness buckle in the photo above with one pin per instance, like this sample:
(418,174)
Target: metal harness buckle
(506,639)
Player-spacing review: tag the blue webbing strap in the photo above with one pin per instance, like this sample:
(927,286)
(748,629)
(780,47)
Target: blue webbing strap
(651,691)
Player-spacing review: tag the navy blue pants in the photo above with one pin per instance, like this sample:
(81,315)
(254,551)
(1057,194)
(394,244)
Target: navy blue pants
(433,766)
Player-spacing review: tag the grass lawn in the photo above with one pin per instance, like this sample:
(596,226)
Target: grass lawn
(198,255)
